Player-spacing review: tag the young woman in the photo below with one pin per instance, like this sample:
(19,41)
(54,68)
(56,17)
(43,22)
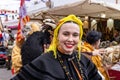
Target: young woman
(62,61)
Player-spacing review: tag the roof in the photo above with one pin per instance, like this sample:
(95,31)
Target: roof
(87,8)
(91,8)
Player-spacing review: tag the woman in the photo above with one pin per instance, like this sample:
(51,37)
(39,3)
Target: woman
(92,51)
(62,61)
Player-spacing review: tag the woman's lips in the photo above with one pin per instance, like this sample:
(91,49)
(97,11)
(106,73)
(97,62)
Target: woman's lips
(69,45)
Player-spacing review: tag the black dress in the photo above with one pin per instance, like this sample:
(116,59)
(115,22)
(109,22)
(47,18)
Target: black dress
(46,67)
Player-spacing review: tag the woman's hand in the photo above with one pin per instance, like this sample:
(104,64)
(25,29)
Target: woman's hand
(99,52)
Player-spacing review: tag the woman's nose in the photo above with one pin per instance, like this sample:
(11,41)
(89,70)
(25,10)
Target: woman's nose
(70,38)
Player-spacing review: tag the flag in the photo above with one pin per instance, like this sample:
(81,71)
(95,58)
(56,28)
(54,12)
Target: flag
(23,19)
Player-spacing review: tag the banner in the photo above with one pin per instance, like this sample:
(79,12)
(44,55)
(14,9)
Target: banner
(23,19)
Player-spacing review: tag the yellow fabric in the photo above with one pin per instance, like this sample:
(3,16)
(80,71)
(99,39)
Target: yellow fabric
(53,46)
(34,28)
(16,59)
(95,59)
(16,55)
(87,47)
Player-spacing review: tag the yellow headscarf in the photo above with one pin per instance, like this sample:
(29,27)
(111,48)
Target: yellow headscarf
(53,45)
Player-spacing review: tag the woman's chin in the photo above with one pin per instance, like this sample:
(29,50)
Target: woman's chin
(69,52)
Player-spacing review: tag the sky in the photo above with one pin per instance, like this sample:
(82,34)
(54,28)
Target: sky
(14,4)
(9,4)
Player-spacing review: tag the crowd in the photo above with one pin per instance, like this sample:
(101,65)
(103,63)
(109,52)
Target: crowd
(6,44)
(56,51)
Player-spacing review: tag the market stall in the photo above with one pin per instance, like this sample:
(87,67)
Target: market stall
(112,60)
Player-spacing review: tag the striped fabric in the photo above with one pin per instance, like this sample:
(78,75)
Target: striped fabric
(26,19)
(23,19)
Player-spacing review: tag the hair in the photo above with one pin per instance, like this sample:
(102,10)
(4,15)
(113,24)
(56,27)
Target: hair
(70,18)
(93,36)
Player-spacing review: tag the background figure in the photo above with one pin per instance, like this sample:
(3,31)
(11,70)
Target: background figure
(6,37)
(116,36)
(32,47)
(16,56)
(36,43)
(48,28)
(91,49)
(1,40)
(66,62)
(9,48)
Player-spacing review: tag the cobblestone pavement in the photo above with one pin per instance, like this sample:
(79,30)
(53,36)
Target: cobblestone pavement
(5,74)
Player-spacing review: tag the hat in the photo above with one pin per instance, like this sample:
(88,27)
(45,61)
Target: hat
(50,22)
(34,27)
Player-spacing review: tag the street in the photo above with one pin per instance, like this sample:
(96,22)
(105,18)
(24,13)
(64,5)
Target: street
(5,74)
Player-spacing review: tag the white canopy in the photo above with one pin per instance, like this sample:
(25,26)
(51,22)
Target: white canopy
(91,8)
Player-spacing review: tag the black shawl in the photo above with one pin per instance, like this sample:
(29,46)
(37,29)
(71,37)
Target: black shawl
(46,67)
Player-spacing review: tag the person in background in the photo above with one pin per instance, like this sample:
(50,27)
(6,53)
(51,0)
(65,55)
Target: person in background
(48,28)
(6,37)
(16,56)
(117,36)
(62,61)
(36,42)
(91,49)
(33,46)
(9,49)
(1,39)
(21,53)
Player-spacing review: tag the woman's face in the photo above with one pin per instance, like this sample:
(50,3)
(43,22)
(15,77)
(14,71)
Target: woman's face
(97,44)
(68,37)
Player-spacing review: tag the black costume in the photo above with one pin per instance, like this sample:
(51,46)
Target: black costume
(32,47)
(46,67)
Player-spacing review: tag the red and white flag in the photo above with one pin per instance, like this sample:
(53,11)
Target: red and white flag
(23,19)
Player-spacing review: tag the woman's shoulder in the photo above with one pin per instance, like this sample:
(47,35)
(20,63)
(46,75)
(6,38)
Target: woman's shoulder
(85,60)
(47,55)
(45,59)
(49,64)
(89,67)
(83,57)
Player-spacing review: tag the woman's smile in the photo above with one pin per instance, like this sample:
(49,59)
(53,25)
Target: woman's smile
(68,45)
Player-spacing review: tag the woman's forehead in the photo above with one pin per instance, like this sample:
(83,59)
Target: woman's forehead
(70,26)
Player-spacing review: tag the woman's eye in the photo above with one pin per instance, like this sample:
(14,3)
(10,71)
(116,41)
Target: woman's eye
(76,34)
(66,34)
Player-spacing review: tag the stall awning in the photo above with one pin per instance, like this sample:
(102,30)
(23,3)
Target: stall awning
(86,7)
